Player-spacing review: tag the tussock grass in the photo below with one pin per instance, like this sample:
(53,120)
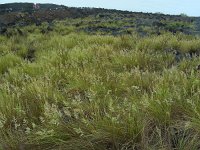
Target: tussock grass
(83,91)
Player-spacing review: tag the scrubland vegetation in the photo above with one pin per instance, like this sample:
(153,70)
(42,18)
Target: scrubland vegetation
(63,89)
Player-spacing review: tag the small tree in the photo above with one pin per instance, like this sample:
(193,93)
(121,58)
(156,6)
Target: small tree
(183,15)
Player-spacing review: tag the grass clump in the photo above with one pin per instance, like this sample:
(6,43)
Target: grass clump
(9,61)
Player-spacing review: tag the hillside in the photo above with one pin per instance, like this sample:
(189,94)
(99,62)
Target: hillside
(25,7)
(97,79)
(115,21)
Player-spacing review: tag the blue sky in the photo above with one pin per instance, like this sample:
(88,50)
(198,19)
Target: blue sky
(189,7)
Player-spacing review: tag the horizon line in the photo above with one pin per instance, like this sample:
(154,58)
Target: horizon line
(108,9)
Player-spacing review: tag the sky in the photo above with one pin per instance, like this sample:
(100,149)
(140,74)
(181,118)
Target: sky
(189,7)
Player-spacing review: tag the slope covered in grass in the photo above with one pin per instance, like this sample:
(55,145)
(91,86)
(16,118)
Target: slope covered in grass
(68,90)
(92,20)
